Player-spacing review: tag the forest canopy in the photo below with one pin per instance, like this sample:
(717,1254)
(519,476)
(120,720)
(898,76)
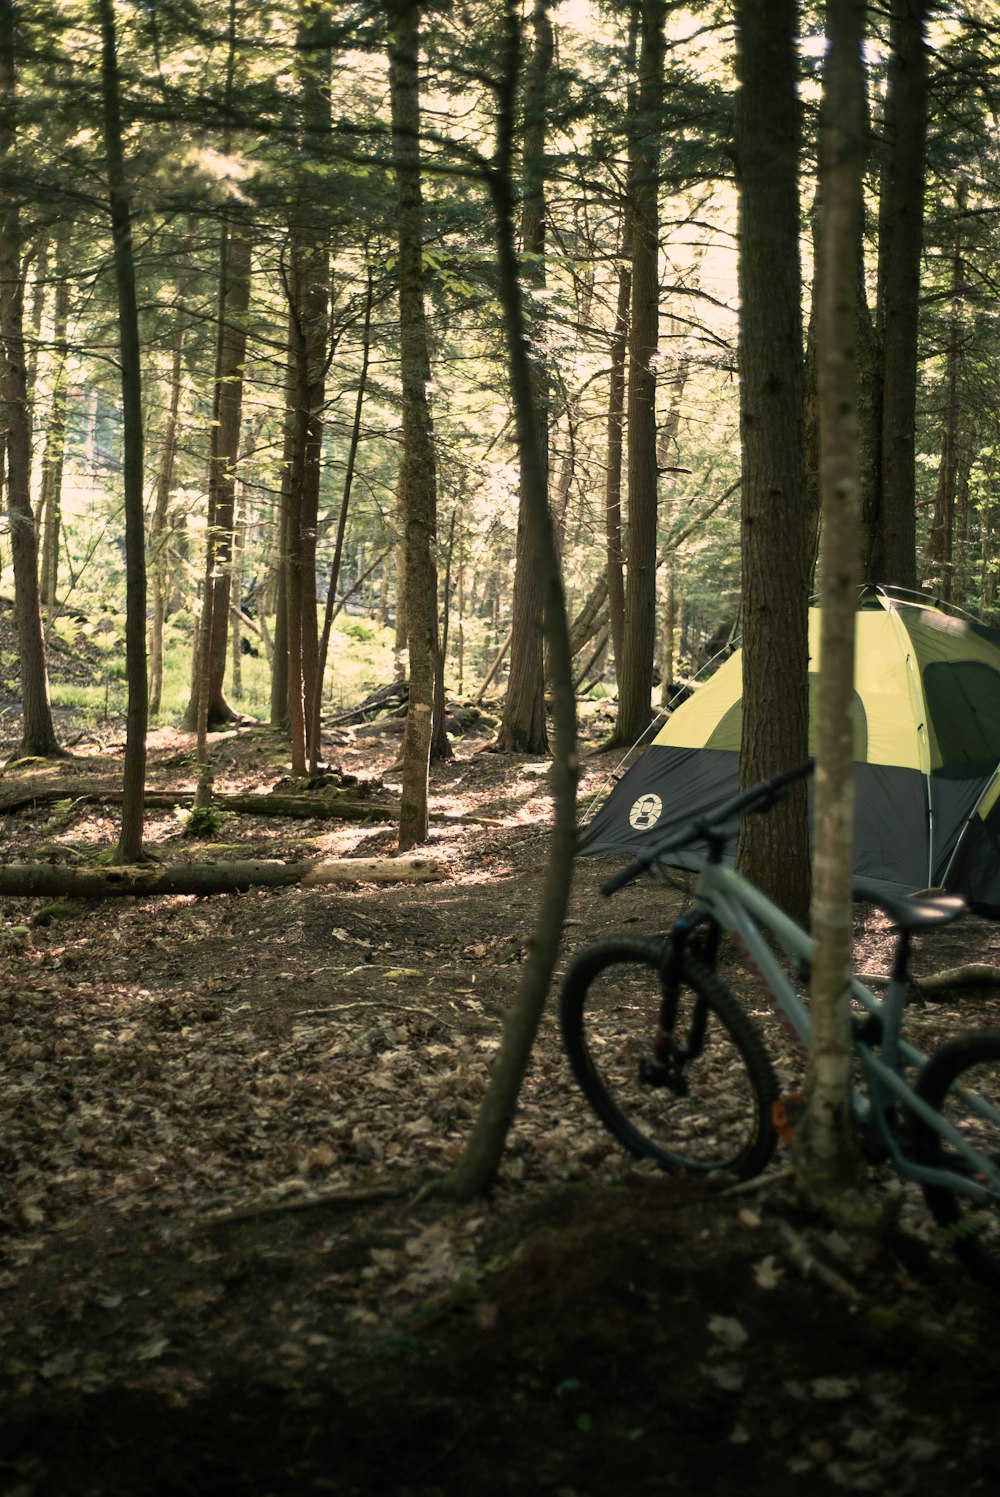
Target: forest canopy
(258,154)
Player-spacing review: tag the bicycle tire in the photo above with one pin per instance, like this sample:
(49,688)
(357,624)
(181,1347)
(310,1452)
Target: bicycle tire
(971,1228)
(609,1010)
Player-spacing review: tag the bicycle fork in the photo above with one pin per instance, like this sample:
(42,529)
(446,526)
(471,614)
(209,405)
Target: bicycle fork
(668,1064)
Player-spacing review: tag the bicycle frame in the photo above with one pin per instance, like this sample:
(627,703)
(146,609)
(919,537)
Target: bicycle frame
(726,902)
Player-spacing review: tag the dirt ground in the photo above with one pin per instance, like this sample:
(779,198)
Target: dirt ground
(220,1272)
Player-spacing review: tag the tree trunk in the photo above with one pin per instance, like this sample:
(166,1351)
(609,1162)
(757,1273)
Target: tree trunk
(477,1168)
(280,672)
(635,669)
(309,290)
(615,448)
(31,880)
(940,544)
(522,727)
(129,847)
(827,1162)
(50,501)
(419,475)
(901,213)
(776,549)
(37,732)
(159,529)
(338,548)
(224,444)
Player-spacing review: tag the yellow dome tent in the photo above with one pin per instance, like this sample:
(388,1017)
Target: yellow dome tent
(927,751)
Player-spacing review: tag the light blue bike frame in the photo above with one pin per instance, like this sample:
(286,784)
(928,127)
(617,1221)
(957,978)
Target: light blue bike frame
(742,911)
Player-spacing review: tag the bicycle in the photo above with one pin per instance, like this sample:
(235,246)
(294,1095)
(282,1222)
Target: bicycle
(678,1071)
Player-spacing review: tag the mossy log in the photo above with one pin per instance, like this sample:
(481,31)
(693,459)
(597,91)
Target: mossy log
(54,880)
(318,806)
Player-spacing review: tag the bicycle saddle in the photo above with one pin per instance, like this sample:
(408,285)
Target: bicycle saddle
(913,911)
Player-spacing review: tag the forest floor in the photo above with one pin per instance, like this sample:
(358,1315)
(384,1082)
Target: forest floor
(219,1271)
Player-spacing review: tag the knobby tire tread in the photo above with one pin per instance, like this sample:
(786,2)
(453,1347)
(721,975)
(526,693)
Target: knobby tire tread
(590,963)
(950,1207)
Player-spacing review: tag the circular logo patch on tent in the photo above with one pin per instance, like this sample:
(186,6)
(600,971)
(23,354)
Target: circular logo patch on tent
(645,812)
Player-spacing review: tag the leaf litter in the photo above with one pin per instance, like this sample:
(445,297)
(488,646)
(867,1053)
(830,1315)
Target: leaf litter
(216,1118)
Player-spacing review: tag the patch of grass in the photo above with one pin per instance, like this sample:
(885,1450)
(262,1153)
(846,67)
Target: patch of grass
(103,699)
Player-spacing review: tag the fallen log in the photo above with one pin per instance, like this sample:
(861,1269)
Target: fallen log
(53,880)
(324,805)
(967,975)
(970,974)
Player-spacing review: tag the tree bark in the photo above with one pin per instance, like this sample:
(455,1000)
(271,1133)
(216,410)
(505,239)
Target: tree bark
(419,472)
(901,213)
(615,449)
(940,568)
(208,699)
(635,669)
(159,528)
(775,544)
(53,457)
(37,731)
(338,549)
(522,727)
(31,880)
(827,1161)
(129,847)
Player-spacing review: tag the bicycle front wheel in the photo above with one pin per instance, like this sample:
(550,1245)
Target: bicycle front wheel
(709,1107)
(961,1081)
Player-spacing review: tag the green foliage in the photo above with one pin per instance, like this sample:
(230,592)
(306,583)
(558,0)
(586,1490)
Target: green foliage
(201,821)
(358,629)
(199,148)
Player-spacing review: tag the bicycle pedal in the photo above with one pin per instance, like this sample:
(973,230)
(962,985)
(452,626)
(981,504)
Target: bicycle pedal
(785,1114)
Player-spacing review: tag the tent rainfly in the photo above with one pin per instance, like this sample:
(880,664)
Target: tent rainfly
(927,752)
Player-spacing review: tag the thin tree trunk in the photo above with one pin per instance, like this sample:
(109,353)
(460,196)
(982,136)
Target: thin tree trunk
(37,731)
(940,544)
(338,549)
(419,475)
(635,669)
(159,530)
(901,213)
(280,670)
(309,283)
(522,726)
(50,501)
(129,847)
(615,448)
(224,443)
(827,1162)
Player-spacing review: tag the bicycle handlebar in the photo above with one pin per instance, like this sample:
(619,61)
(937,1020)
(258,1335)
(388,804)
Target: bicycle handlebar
(758,798)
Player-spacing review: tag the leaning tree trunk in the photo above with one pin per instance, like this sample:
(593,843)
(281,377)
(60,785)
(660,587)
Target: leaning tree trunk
(828,1165)
(480,1161)
(419,475)
(129,846)
(37,732)
(338,548)
(776,552)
